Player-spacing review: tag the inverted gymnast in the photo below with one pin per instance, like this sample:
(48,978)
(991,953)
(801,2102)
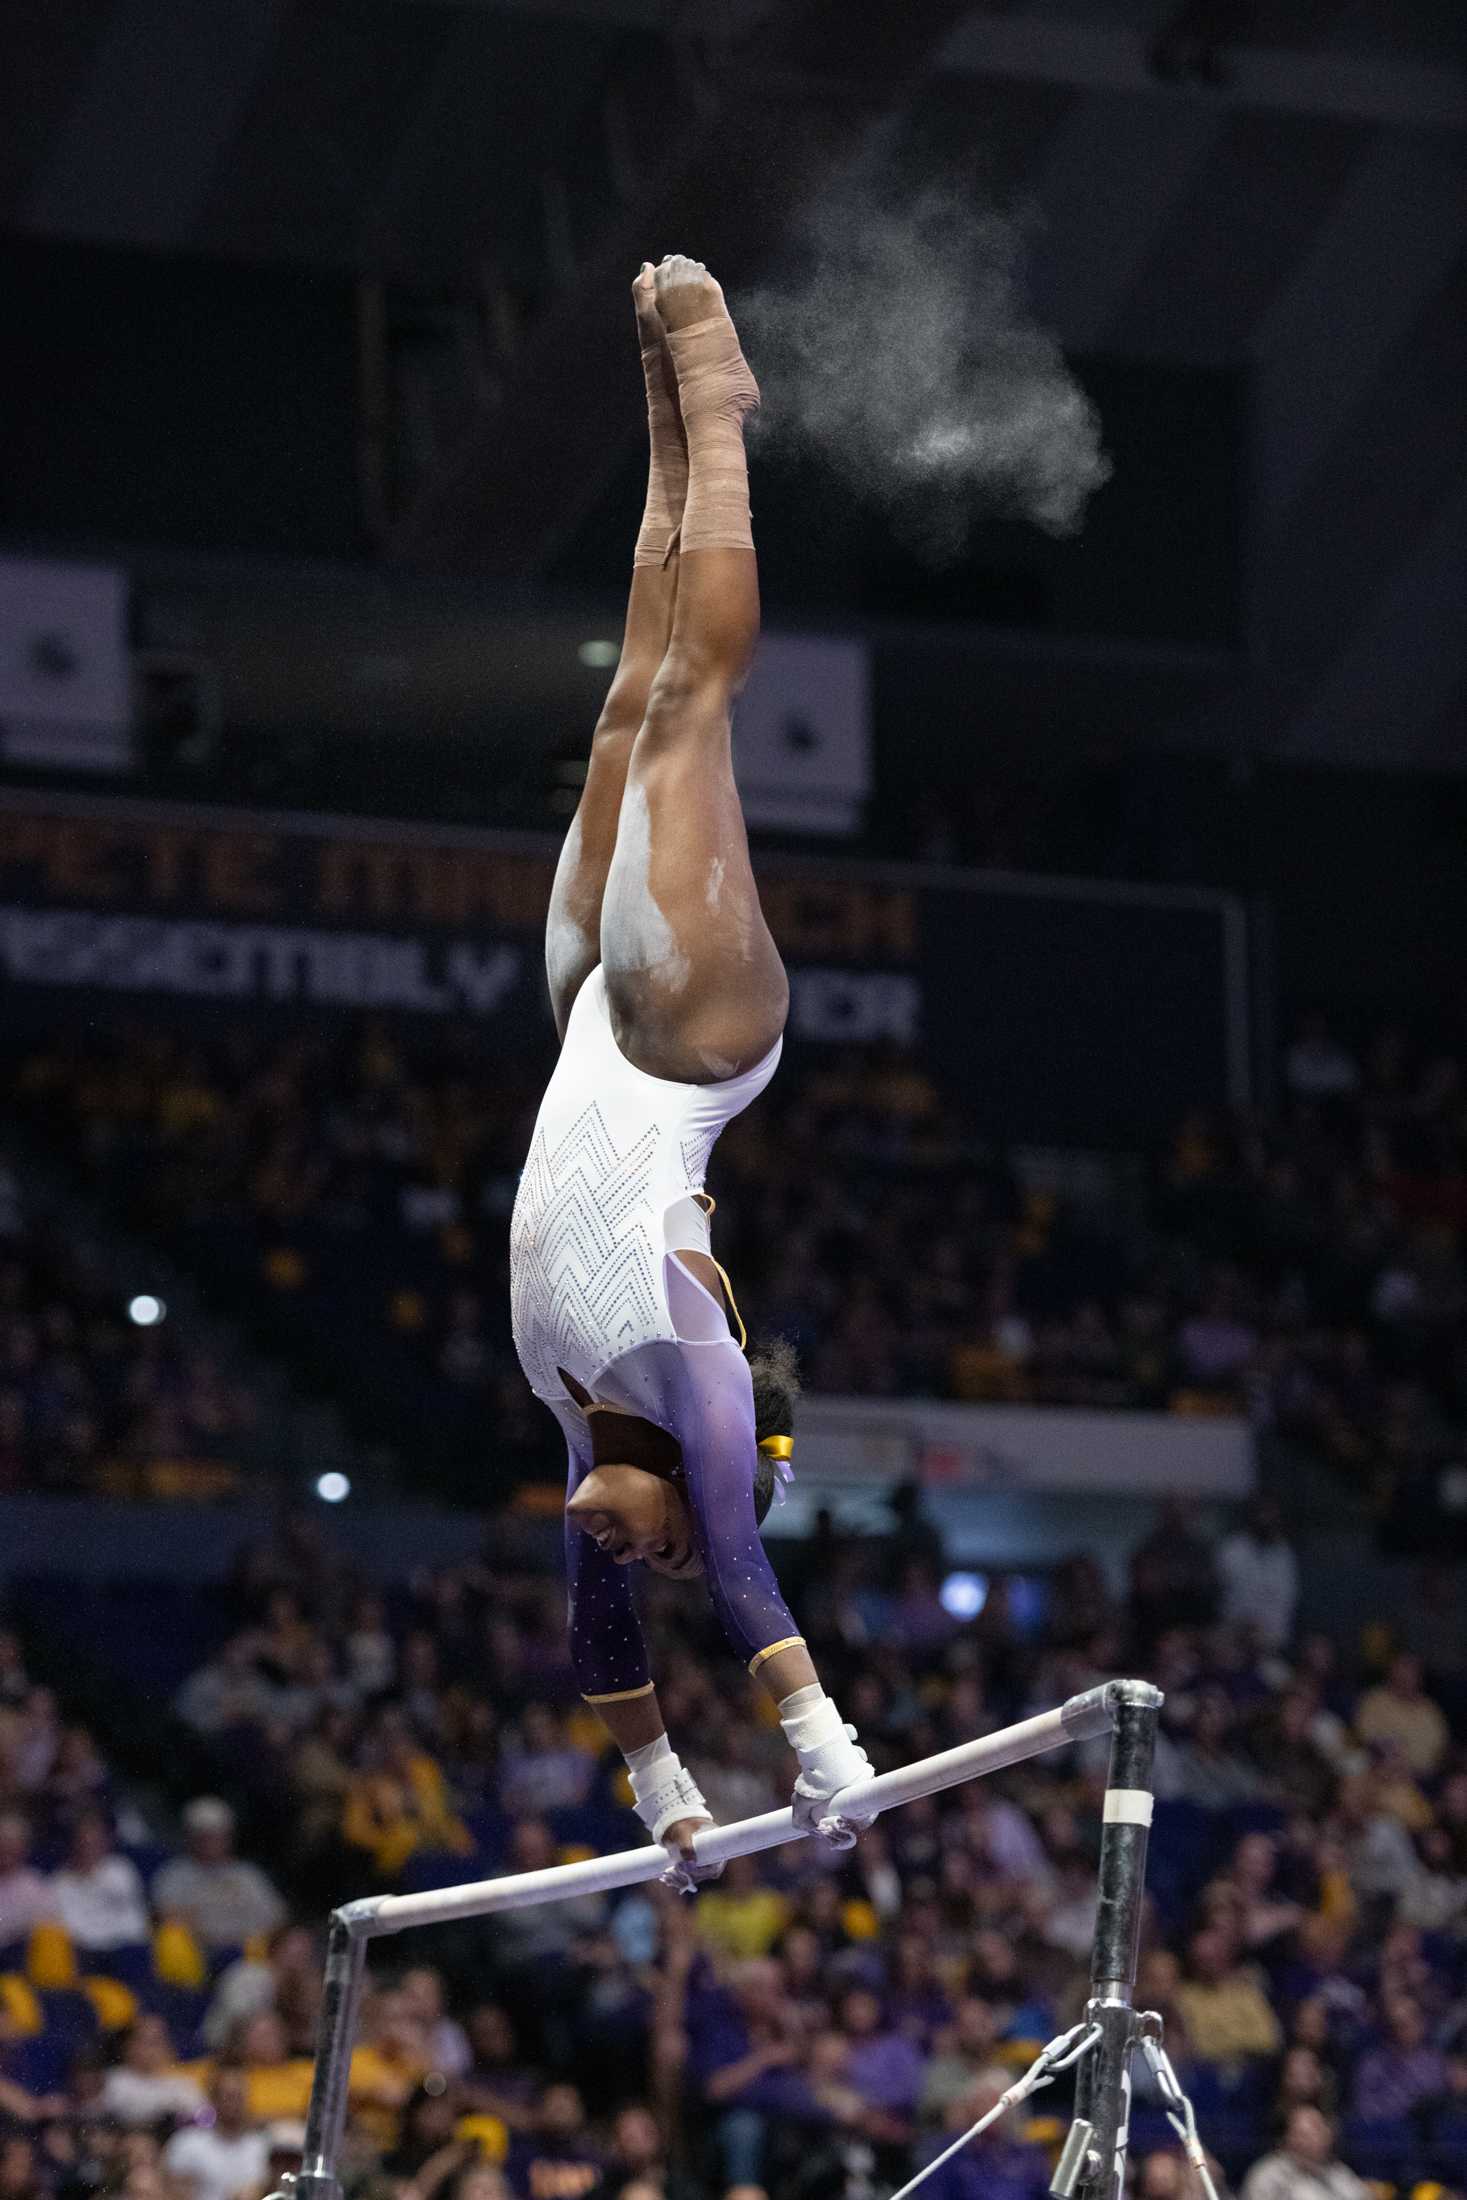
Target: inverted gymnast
(670,999)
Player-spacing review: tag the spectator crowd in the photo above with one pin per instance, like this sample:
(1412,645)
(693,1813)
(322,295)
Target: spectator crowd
(86,1394)
(813,2025)
(1305,1270)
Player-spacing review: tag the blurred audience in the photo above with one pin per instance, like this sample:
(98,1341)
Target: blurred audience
(810,2021)
(86,1393)
(1305,2166)
(224,1900)
(352,1190)
(98,1893)
(812,2027)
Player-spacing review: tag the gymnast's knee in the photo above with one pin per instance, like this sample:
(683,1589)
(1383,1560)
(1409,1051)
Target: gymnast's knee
(693,691)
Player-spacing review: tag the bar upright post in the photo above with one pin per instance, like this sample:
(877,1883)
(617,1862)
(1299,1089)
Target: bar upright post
(1103,2088)
(319,2176)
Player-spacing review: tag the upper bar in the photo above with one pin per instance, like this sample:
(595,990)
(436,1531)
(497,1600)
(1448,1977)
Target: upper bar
(1078,1720)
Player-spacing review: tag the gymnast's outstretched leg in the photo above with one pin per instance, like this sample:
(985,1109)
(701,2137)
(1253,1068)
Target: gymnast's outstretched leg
(573,928)
(695,982)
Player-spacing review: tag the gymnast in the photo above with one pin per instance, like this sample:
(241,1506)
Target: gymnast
(670,998)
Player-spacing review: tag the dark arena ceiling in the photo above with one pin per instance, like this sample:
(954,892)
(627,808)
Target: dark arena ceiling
(1273,187)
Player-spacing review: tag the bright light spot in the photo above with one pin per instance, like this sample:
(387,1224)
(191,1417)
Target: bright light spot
(964,1595)
(145,1310)
(332,1488)
(599,654)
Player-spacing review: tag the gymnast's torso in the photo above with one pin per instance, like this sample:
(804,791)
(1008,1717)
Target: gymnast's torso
(612,1189)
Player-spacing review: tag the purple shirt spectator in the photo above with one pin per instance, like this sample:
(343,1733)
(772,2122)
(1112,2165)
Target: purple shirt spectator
(886,2070)
(882,2066)
(722,2030)
(560,2157)
(1392,2082)
(542,1780)
(1005,1837)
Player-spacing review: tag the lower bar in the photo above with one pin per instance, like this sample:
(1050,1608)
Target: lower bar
(1082,1717)
(1103,2089)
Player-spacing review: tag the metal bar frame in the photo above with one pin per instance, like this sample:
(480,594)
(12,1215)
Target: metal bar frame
(1103,2088)
(1125,1709)
(318,2177)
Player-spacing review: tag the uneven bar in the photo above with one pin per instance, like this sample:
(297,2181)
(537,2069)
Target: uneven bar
(1078,1720)
(346,1958)
(1103,2088)
(1123,1704)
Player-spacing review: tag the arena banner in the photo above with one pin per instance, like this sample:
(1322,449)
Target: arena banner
(850,1443)
(1070,1012)
(802,734)
(65,701)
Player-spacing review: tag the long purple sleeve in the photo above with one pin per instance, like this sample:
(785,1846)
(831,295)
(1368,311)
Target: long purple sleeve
(720,1454)
(608,1655)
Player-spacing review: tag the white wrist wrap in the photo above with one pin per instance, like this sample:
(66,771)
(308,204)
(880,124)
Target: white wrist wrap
(809,1718)
(830,1761)
(663,1791)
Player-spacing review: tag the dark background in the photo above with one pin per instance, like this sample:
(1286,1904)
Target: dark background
(325,303)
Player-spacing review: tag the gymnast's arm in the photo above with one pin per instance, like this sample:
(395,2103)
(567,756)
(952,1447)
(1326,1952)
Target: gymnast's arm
(720,1455)
(609,1658)
(608,1654)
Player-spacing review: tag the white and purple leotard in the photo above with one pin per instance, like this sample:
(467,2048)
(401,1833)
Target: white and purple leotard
(609,1197)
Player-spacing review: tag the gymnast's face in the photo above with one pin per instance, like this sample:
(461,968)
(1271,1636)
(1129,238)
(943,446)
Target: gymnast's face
(633,1515)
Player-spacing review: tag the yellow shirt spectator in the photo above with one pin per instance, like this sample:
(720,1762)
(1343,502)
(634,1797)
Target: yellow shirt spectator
(273,2091)
(1400,1711)
(392,2060)
(403,1807)
(1223,2005)
(277,2083)
(738,1917)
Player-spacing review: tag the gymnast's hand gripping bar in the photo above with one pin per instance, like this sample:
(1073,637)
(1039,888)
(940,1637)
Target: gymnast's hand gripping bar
(1078,1720)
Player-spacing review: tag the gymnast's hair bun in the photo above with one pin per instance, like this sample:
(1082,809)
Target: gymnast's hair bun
(776,1374)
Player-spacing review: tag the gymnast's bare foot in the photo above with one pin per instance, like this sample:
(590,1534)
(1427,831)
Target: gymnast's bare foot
(686,292)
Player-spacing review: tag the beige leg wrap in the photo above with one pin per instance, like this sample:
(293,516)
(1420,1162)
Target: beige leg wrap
(667,472)
(715,390)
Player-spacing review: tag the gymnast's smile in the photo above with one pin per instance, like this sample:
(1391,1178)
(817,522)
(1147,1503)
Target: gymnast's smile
(636,1513)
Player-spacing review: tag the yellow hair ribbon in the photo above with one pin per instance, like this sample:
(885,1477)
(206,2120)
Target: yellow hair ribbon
(777,1447)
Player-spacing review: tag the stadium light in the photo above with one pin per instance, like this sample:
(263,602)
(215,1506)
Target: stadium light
(145,1311)
(963,1596)
(332,1488)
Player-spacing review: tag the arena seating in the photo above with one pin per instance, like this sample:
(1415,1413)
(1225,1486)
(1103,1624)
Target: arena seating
(1306,1938)
(347,1196)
